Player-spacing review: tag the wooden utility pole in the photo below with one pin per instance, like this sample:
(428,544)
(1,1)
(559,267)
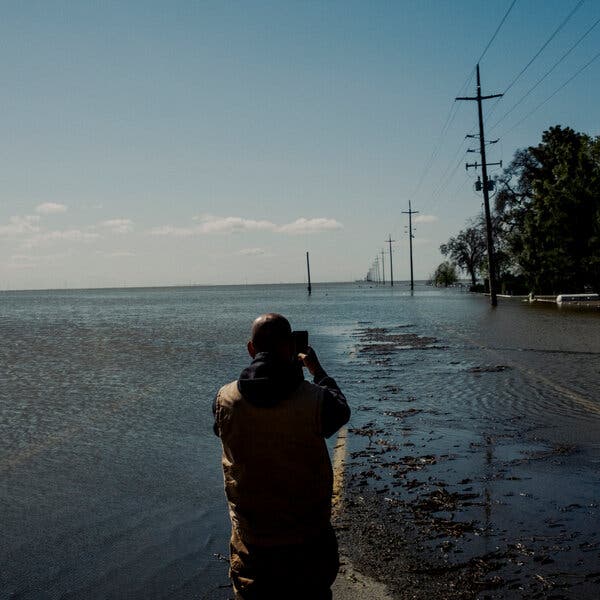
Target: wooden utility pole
(390,240)
(308,271)
(382,268)
(410,212)
(486,187)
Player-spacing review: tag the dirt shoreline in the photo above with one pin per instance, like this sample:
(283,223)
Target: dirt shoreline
(351,584)
(392,549)
(429,512)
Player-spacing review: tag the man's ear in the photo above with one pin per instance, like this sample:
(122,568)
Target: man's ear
(251,349)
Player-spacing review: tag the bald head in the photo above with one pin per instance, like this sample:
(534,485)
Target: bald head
(271,333)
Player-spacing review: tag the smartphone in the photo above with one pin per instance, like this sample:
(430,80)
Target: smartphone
(301,341)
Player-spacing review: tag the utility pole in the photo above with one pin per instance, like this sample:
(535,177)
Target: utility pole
(390,240)
(382,268)
(486,188)
(377,269)
(308,271)
(410,212)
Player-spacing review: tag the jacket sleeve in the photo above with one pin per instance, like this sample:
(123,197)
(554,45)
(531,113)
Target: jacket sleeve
(214,412)
(335,411)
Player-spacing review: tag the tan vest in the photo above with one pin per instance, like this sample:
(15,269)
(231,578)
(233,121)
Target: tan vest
(278,476)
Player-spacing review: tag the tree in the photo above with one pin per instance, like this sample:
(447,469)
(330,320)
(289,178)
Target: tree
(548,210)
(444,275)
(467,249)
(559,222)
(546,218)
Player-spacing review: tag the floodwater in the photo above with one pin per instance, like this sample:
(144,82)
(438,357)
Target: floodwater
(110,482)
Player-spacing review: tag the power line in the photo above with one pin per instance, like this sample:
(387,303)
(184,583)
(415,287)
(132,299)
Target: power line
(546,74)
(447,177)
(552,36)
(444,182)
(595,57)
(449,119)
(495,33)
(454,108)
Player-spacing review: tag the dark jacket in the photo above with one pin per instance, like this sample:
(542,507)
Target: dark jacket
(266,381)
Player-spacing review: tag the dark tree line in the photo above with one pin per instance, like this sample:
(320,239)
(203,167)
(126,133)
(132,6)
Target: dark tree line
(546,219)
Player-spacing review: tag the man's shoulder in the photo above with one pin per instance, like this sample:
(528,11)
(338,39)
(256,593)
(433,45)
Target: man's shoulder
(229,386)
(307,388)
(228,391)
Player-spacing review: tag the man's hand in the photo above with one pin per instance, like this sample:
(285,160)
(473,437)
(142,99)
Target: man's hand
(311,362)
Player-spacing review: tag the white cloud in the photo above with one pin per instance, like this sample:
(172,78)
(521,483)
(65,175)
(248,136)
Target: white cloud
(172,230)
(21,261)
(216,225)
(211,224)
(71,235)
(228,225)
(425,219)
(118,225)
(23,258)
(48,208)
(20,266)
(252,252)
(29,261)
(303,225)
(20,225)
(116,254)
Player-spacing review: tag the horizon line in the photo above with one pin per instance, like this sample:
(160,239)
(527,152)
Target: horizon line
(199,285)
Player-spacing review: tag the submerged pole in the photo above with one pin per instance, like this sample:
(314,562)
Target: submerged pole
(410,212)
(486,201)
(308,271)
(390,240)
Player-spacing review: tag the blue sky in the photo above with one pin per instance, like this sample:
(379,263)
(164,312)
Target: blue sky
(150,143)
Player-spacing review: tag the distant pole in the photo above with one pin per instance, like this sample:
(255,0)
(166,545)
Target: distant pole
(410,212)
(308,271)
(377,269)
(486,187)
(390,240)
(382,268)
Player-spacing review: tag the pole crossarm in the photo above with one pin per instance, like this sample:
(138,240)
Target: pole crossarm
(475,165)
(479,97)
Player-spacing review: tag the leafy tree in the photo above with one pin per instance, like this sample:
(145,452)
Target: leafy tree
(548,212)
(445,275)
(467,249)
(546,218)
(512,201)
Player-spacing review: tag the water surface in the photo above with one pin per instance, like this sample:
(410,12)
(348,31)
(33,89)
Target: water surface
(110,478)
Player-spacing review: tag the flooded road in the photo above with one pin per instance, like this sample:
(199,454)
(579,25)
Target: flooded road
(478,449)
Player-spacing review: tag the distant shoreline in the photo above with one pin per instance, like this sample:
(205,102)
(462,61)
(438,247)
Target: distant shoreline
(199,285)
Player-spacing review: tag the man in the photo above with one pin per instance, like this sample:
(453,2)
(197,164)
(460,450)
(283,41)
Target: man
(278,476)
